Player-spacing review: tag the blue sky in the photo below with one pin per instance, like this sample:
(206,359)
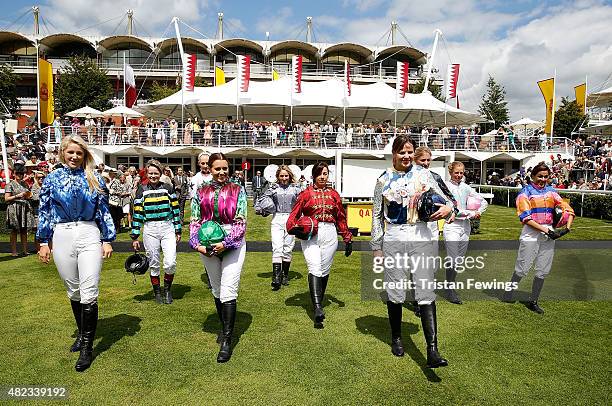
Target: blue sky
(517,42)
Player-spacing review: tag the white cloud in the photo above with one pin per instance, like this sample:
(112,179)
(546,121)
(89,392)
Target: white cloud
(278,25)
(362,5)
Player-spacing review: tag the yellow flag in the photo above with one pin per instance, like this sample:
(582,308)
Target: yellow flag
(219,76)
(580,92)
(45,91)
(547,87)
(275,75)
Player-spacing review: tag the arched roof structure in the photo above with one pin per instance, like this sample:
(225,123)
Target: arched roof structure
(117,40)
(238,42)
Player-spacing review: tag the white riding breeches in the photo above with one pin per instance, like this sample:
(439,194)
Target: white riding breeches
(456,239)
(158,237)
(282,241)
(319,250)
(224,273)
(534,247)
(77,254)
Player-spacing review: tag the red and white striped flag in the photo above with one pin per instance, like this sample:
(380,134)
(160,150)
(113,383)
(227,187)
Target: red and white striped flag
(189,69)
(401,86)
(244,72)
(130,86)
(347,77)
(451,80)
(296,67)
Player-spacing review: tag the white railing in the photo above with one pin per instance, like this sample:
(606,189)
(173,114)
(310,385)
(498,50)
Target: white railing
(222,136)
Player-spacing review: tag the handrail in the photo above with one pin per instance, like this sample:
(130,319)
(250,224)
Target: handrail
(267,138)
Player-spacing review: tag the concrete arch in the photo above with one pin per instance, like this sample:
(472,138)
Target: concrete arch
(238,42)
(349,47)
(164,47)
(401,53)
(281,51)
(116,41)
(63,45)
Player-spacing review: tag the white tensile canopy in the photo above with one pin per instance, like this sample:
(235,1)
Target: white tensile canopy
(318,101)
(84,112)
(527,122)
(603,98)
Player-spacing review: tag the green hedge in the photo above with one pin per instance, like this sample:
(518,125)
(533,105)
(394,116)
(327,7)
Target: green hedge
(594,205)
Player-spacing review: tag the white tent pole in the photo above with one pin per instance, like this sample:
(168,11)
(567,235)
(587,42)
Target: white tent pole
(430,62)
(124,95)
(179,42)
(586,92)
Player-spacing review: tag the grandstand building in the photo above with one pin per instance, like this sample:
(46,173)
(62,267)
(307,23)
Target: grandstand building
(158,59)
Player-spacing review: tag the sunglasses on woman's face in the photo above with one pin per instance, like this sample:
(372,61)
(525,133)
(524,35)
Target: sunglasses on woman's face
(40,177)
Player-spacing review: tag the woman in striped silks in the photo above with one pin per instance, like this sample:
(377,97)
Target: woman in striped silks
(156,207)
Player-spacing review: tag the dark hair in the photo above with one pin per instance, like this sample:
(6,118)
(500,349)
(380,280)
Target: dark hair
(539,168)
(399,142)
(20,170)
(318,169)
(216,157)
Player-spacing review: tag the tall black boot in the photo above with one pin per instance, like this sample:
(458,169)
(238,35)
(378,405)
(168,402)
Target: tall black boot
(394,310)
(89,323)
(451,276)
(276,276)
(536,288)
(167,292)
(286,266)
(324,280)
(228,312)
(157,294)
(509,294)
(416,309)
(76,311)
(219,307)
(430,330)
(316,295)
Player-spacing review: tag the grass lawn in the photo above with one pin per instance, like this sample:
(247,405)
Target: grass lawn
(157,354)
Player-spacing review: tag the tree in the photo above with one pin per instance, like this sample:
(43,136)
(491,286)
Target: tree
(436,90)
(82,83)
(160,91)
(8,89)
(568,118)
(493,105)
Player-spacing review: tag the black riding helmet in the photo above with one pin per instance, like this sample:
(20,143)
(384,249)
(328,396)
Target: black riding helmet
(137,264)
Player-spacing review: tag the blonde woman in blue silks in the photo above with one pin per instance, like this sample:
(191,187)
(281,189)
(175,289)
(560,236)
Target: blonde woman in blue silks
(406,197)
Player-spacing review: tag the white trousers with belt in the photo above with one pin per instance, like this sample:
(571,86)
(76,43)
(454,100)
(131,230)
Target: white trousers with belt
(158,237)
(456,239)
(417,242)
(534,247)
(77,254)
(224,273)
(319,250)
(282,241)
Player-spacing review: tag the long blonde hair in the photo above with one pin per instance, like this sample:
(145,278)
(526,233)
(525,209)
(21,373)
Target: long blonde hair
(285,168)
(88,164)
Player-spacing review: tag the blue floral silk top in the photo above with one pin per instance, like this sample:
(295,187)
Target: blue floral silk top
(65,197)
(392,195)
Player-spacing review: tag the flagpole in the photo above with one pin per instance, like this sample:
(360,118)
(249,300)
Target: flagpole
(552,120)
(183,64)
(38,85)
(124,94)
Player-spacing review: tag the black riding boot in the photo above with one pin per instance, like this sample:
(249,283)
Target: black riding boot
(451,276)
(324,280)
(509,294)
(416,309)
(219,307)
(285,280)
(430,330)
(167,292)
(394,310)
(228,312)
(157,294)
(76,311)
(315,284)
(536,288)
(276,276)
(89,322)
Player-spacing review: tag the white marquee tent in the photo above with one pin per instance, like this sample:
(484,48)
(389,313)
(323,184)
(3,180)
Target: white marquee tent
(318,101)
